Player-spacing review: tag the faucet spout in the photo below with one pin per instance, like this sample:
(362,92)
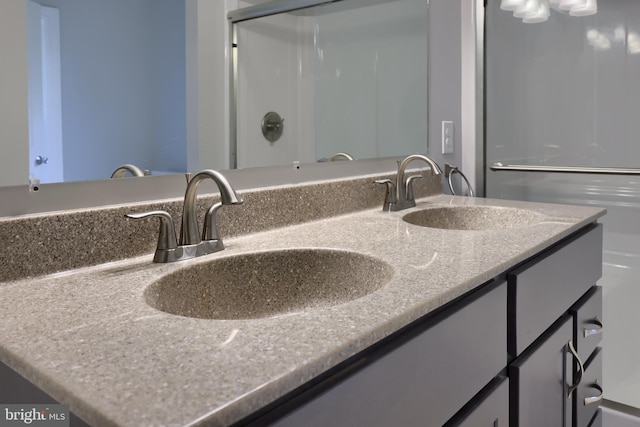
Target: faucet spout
(400,195)
(132,169)
(189,232)
(404,186)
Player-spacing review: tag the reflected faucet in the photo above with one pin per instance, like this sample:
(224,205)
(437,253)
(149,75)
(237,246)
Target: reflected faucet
(400,196)
(340,156)
(192,244)
(132,169)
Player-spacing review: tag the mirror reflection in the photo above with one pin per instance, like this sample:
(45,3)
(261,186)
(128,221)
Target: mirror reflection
(108,86)
(347,80)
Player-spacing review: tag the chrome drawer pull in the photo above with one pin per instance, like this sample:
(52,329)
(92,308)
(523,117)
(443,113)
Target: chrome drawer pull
(594,399)
(597,329)
(574,353)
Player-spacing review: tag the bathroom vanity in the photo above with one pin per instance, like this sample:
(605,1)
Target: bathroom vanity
(493,316)
(454,366)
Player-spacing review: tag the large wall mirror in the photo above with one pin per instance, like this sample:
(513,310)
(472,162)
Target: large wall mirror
(110,84)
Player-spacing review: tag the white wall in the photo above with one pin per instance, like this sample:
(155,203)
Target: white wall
(207,83)
(14,128)
(445,77)
(272,72)
(371,80)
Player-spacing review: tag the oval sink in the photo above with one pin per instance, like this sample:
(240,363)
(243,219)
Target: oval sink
(264,284)
(473,217)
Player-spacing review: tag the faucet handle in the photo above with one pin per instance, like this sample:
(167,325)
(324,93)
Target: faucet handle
(409,188)
(210,228)
(390,196)
(167,235)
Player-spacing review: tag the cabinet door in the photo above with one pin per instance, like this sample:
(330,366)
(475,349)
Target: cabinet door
(588,394)
(597,419)
(489,409)
(540,380)
(420,378)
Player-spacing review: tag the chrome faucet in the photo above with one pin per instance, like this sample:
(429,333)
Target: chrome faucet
(340,156)
(132,169)
(192,243)
(399,195)
(189,233)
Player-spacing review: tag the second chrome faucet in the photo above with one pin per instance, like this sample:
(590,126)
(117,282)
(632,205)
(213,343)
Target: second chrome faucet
(399,195)
(192,243)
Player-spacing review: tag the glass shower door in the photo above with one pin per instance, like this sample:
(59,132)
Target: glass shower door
(566,93)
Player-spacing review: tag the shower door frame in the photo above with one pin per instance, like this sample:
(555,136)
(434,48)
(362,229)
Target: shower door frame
(479,10)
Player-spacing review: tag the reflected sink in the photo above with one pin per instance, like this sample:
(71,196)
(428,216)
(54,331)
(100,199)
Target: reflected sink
(473,217)
(263,284)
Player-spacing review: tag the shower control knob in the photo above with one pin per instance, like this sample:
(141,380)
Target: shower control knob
(272,126)
(42,160)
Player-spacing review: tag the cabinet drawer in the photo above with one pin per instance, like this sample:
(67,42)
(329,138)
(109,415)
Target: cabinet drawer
(589,392)
(541,290)
(539,380)
(423,380)
(587,317)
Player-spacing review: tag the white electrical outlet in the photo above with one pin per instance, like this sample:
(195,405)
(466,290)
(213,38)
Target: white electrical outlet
(447,137)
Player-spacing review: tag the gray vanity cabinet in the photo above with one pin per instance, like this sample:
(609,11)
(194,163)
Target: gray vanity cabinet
(540,380)
(489,409)
(502,354)
(421,376)
(554,331)
(544,288)
(589,392)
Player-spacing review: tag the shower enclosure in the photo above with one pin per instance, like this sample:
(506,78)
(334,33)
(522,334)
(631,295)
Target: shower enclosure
(561,108)
(347,77)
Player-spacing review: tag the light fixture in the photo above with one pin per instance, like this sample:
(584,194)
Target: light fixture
(570,4)
(633,43)
(590,7)
(541,15)
(530,8)
(511,5)
(534,11)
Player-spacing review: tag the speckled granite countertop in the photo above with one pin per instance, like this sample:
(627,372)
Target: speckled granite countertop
(88,338)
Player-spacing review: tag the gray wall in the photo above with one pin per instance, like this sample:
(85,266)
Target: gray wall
(14,141)
(123,85)
(445,77)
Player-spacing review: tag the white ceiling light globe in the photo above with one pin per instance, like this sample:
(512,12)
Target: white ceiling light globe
(529,9)
(590,7)
(569,4)
(512,5)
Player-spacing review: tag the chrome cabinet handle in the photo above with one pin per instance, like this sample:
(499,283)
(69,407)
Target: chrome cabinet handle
(594,399)
(574,353)
(597,329)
